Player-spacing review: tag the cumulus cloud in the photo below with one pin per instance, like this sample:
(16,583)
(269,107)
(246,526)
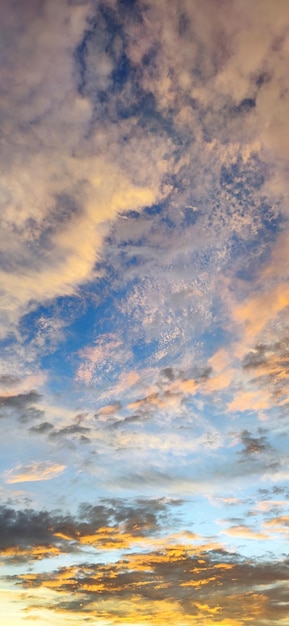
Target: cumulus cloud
(28,534)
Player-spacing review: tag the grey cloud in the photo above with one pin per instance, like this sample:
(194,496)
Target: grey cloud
(132,419)
(20,401)
(254,445)
(73,429)
(22,406)
(23,530)
(8,380)
(268,364)
(277,490)
(255,358)
(31,414)
(216,578)
(142,517)
(19,527)
(42,428)
(48,429)
(168,373)
(83,439)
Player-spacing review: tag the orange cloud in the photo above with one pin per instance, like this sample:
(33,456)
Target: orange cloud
(39,552)
(261,309)
(222,374)
(250,401)
(278,524)
(244,531)
(37,470)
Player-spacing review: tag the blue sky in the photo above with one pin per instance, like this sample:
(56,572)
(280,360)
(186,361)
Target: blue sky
(144,312)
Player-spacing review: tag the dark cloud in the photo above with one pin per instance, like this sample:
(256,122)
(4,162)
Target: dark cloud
(255,358)
(73,429)
(132,419)
(22,406)
(143,518)
(20,401)
(273,492)
(198,583)
(31,414)
(41,429)
(23,531)
(268,365)
(254,445)
(8,380)
(29,534)
(48,429)
(168,373)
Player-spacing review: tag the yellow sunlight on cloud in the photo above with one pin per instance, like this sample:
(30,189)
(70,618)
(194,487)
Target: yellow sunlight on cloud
(34,471)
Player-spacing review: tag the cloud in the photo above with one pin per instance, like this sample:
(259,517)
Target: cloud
(13,384)
(278,524)
(268,365)
(37,470)
(189,585)
(105,355)
(144,268)
(26,535)
(254,445)
(262,309)
(111,524)
(20,401)
(22,406)
(244,531)
(54,179)
(42,428)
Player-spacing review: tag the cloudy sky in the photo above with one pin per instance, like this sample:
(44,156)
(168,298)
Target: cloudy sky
(144,356)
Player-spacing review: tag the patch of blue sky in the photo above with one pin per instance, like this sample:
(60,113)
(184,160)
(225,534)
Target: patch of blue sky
(216,336)
(8,341)
(95,321)
(129,5)
(144,350)
(121,72)
(64,308)
(83,323)
(198,515)
(153,210)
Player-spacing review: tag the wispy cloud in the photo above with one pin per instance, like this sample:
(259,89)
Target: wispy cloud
(37,470)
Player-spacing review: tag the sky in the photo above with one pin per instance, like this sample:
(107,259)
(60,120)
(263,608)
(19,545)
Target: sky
(144,330)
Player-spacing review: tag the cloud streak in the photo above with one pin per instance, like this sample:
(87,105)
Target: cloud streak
(38,470)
